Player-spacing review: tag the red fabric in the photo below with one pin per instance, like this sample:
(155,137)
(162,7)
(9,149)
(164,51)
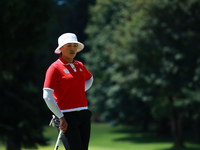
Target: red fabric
(68,85)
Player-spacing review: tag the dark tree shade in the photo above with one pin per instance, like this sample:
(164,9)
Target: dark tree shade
(23,35)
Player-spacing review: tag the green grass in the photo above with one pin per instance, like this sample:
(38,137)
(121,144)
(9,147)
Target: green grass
(105,137)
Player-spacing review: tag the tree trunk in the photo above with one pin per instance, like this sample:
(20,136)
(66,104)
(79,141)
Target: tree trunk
(197,130)
(163,126)
(176,126)
(12,144)
(145,126)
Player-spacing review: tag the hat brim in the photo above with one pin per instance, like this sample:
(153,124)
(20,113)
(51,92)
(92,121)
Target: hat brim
(80,47)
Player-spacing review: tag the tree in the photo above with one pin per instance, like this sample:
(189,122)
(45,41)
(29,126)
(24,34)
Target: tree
(109,51)
(176,43)
(23,35)
(148,53)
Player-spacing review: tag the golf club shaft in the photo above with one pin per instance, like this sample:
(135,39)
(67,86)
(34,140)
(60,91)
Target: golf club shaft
(58,140)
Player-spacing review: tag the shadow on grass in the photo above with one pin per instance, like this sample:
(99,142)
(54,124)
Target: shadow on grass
(182,148)
(135,135)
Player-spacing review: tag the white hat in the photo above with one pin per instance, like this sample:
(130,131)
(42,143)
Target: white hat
(68,38)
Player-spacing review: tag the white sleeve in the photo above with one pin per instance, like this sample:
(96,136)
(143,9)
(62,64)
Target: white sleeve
(88,83)
(51,103)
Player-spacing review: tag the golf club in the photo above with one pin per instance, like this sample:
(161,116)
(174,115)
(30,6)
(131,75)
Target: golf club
(58,140)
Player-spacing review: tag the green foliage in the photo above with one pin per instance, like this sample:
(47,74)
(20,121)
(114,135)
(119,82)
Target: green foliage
(104,91)
(142,53)
(113,66)
(23,34)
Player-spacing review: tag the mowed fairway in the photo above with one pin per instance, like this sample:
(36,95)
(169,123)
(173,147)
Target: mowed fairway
(106,137)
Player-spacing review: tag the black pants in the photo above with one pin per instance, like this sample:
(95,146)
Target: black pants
(77,135)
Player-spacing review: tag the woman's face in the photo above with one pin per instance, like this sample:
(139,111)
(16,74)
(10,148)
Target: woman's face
(69,51)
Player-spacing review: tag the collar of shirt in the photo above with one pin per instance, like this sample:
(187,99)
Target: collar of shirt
(62,61)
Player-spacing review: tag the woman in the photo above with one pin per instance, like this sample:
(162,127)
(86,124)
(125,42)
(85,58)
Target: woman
(64,93)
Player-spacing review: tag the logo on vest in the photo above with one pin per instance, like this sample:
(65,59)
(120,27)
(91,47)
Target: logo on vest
(66,71)
(81,69)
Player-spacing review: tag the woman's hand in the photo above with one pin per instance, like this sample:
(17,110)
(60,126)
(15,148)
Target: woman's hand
(63,124)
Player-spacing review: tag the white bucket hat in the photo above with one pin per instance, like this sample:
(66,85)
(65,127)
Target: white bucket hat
(68,38)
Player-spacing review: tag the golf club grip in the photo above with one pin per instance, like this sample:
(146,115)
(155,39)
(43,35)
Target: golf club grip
(58,140)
